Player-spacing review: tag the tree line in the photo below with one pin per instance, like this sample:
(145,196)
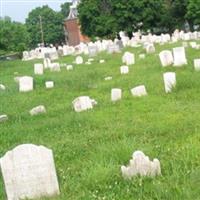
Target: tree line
(102,19)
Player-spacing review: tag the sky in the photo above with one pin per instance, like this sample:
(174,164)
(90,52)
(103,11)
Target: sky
(18,9)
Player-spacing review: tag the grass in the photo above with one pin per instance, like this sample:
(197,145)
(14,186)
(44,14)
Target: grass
(90,147)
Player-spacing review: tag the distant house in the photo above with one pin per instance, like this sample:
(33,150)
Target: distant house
(73,35)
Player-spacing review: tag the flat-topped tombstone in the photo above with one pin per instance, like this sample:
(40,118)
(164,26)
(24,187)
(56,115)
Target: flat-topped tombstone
(124,69)
(166,58)
(49,84)
(3,118)
(116,94)
(83,103)
(29,172)
(69,67)
(25,84)
(79,60)
(179,56)
(38,69)
(169,81)
(197,64)
(128,58)
(139,91)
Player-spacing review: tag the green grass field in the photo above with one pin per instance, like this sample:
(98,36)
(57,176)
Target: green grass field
(90,147)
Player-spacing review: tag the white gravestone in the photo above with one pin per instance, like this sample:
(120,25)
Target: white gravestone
(142,56)
(47,63)
(102,61)
(37,110)
(69,67)
(29,172)
(179,56)
(79,60)
(166,58)
(150,48)
(38,69)
(197,64)
(2,87)
(25,84)
(169,81)
(139,91)
(83,103)
(55,67)
(124,69)
(3,118)
(116,94)
(128,58)
(49,84)
(140,164)
(108,78)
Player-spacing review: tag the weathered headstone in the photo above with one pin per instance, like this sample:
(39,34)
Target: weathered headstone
(83,103)
(128,58)
(69,67)
(140,164)
(124,69)
(79,60)
(169,81)
(139,91)
(150,48)
(25,84)
(3,118)
(197,64)
(55,67)
(29,173)
(166,58)
(116,94)
(38,69)
(49,84)
(37,110)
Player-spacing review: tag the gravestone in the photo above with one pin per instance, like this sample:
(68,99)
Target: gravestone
(166,58)
(169,81)
(128,58)
(124,69)
(83,103)
(79,60)
(29,172)
(142,56)
(2,87)
(25,84)
(3,118)
(139,91)
(179,56)
(141,165)
(150,48)
(197,64)
(116,94)
(102,61)
(108,78)
(38,69)
(37,110)
(49,84)
(47,63)
(119,43)
(55,67)
(92,50)
(69,67)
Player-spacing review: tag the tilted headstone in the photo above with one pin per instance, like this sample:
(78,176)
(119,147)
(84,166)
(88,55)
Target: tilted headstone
(166,58)
(55,67)
(179,56)
(3,118)
(25,84)
(124,69)
(29,173)
(79,60)
(83,103)
(140,164)
(116,94)
(128,58)
(169,81)
(197,64)
(37,110)
(139,91)
(49,84)
(38,69)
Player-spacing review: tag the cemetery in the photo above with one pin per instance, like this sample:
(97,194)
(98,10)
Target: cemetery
(68,128)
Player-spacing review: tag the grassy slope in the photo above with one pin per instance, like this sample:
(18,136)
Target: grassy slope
(90,147)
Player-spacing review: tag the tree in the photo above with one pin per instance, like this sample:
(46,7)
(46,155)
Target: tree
(52,23)
(14,35)
(65,8)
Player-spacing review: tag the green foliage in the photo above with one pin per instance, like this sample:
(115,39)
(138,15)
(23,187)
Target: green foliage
(13,35)
(65,8)
(52,23)
(193,12)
